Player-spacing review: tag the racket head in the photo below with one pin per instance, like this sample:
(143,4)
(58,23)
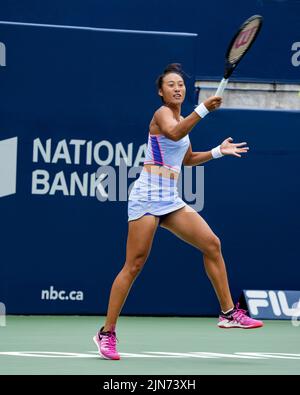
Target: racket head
(242,42)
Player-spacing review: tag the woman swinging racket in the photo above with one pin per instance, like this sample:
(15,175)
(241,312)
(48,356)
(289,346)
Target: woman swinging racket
(154,201)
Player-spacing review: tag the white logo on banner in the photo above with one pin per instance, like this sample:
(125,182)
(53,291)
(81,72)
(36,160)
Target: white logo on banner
(296,56)
(2,54)
(111,182)
(275,299)
(53,294)
(119,165)
(8,166)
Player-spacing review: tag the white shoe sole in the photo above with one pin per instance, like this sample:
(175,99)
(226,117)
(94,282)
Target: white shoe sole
(228,325)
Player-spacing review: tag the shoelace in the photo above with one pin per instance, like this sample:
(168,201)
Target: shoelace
(109,340)
(239,314)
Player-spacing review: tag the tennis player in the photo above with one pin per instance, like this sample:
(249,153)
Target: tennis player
(154,201)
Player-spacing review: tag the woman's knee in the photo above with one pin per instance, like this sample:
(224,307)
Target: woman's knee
(213,247)
(134,265)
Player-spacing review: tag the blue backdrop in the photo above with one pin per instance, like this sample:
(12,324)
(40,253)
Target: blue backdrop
(270,59)
(83,88)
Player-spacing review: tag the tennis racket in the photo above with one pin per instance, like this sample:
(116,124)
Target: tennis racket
(239,46)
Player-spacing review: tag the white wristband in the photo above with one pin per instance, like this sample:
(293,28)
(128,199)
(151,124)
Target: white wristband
(216,152)
(201,110)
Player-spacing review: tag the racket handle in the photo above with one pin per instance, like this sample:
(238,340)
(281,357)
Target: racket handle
(221,87)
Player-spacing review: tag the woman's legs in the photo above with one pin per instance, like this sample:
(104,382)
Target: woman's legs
(139,241)
(188,225)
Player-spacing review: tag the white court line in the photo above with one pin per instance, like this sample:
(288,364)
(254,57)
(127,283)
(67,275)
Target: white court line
(156,354)
(97,29)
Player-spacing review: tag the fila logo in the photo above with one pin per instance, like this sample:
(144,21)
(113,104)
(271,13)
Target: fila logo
(276,300)
(8,166)
(2,54)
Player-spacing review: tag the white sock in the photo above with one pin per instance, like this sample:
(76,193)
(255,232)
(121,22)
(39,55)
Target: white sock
(228,311)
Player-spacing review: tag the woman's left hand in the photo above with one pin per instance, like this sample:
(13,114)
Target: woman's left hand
(228,148)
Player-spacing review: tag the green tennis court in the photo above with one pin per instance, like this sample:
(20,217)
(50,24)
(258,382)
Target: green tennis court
(62,345)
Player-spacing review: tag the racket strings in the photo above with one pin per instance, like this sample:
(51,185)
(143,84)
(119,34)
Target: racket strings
(243,41)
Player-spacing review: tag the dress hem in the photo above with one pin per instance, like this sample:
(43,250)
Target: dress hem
(158,215)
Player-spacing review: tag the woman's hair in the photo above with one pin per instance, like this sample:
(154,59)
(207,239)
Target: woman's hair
(171,68)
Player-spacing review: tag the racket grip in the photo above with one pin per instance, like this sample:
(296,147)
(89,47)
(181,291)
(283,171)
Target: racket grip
(221,87)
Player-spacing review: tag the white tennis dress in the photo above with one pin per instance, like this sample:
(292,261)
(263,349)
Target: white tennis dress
(152,193)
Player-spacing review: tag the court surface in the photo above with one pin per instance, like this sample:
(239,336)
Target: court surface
(62,345)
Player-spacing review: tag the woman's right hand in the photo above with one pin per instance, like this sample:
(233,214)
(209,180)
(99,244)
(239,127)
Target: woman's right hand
(213,102)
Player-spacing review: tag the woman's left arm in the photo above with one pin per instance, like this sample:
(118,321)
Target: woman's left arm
(196,158)
(226,148)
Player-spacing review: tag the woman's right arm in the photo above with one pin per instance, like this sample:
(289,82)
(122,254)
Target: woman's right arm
(175,130)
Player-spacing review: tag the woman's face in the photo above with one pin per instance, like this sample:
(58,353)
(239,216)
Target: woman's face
(173,89)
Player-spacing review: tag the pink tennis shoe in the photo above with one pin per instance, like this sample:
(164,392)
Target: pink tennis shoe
(106,343)
(238,319)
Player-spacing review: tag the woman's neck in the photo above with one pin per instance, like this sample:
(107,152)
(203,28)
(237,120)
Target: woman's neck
(176,108)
